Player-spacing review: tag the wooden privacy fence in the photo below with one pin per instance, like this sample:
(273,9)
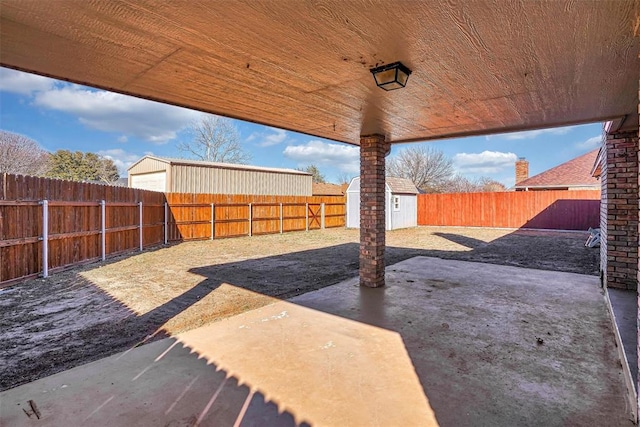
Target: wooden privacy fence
(209,216)
(46,225)
(559,210)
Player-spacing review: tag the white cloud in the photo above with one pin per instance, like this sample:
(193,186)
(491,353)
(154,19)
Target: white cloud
(123,138)
(487,162)
(531,134)
(122,159)
(590,143)
(275,136)
(112,112)
(23,83)
(343,157)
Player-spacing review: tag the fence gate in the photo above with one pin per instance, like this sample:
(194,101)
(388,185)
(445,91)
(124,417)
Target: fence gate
(315,216)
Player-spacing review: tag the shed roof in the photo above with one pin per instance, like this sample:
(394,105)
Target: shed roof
(401,185)
(202,163)
(479,67)
(574,173)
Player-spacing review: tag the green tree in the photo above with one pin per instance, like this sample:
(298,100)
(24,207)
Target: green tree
(79,166)
(318,178)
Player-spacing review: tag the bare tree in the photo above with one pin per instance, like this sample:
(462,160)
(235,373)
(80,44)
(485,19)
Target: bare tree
(491,185)
(460,184)
(21,155)
(344,178)
(427,167)
(215,139)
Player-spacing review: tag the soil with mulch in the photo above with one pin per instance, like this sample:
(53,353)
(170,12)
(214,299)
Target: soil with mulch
(81,315)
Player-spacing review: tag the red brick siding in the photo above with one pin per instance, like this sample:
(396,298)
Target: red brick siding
(619,211)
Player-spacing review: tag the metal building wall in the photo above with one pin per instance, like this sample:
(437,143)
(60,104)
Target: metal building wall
(147,165)
(213,180)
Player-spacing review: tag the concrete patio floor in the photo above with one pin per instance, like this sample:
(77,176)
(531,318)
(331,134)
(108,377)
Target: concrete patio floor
(450,343)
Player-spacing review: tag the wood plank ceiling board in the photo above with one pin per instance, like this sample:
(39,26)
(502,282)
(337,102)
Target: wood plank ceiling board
(478,67)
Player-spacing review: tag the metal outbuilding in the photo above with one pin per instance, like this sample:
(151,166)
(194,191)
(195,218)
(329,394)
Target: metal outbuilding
(401,203)
(195,176)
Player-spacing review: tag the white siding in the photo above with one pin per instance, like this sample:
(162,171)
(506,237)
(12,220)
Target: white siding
(155,181)
(147,165)
(406,217)
(353,204)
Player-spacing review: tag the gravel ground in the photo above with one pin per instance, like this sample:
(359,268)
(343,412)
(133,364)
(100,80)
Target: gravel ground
(81,315)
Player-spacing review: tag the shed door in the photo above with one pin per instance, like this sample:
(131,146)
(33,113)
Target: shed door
(155,181)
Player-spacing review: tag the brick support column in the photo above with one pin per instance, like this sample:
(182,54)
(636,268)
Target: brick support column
(373,150)
(619,211)
(637,294)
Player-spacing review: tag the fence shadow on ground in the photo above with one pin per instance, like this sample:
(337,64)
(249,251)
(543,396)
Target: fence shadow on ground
(469,242)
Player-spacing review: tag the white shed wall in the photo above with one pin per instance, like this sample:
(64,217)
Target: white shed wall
(406,217)
(353,209)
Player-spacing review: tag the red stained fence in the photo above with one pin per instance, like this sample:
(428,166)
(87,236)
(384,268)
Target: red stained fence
(47,224)
(558,210)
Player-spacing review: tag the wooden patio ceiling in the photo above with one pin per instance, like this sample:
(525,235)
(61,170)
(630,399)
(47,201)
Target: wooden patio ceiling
(478,67)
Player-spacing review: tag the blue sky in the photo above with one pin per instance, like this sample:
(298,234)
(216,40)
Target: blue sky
(60,115)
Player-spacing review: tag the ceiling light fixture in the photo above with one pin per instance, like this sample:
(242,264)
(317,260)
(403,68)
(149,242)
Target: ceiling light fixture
(391,76)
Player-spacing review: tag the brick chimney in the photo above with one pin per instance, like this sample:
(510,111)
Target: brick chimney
(522,170)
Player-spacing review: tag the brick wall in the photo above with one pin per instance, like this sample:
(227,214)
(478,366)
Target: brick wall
(522,170)
(373,150)
(619,211)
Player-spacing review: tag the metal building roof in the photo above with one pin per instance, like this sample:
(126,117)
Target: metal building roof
(202,163)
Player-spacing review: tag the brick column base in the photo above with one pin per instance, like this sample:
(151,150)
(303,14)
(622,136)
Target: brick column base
(373,150)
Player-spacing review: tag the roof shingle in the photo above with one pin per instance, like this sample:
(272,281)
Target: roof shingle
(401,185)
(574,173)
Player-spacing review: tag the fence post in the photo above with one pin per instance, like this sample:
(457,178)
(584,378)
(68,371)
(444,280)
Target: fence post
(281,219)
(213,220)
(250,219)
(45,238)
(103,229)
(166,223)
(140,209)
(307,216)
(322,215)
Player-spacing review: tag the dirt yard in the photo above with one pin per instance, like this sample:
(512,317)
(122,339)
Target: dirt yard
(71,318)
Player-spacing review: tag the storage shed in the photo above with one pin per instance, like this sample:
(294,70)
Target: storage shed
(196,176)
(401,203)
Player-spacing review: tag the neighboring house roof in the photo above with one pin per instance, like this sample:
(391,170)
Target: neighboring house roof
(327,189)
(596,170)
(574,173)
(401,185)
(203,163)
